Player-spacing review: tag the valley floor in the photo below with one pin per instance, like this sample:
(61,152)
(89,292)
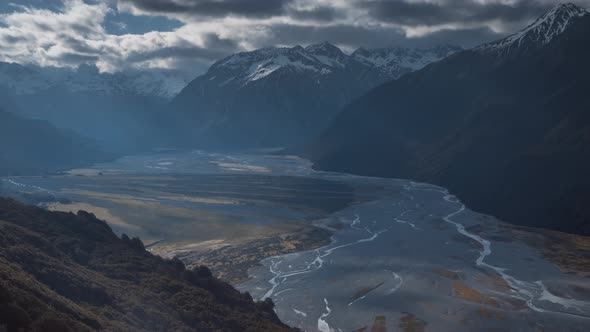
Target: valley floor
(335,252)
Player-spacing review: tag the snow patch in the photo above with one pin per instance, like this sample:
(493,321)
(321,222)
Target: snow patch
(539,33)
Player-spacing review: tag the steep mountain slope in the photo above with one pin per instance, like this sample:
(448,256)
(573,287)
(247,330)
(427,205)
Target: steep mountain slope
(506,126)
(392,63)
(66,272)
(33,146)
(120,111)
(281,96)
(539,33)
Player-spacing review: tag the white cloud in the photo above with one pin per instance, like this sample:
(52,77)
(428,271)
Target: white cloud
(43,37)
(76,34)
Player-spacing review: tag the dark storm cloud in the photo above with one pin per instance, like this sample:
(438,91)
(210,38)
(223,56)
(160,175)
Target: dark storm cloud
(357,36)
(75,58)
(214,41)
(76,44)
(175,52)
(319,13)
(462,37)
(455,11)
(213,49)
(288,34)
(216,8)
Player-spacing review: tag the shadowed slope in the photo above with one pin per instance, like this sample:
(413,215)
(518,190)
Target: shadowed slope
(505,128)
(71,271)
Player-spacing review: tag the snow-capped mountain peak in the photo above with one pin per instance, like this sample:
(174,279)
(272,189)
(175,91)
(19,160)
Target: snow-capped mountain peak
(247,67)
(328,54)
(539,33)
(323,48)
(395,61)
(318,61)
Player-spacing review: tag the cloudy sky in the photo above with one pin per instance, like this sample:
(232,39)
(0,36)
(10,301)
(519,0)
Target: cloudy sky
(190,34)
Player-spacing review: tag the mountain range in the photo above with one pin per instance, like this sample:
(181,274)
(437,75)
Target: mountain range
(36,147)
(503,125)
(119,111)
(31,80)
(282,96)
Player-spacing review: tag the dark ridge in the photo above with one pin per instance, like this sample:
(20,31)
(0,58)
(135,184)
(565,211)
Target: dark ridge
(66,272)
(511,138)
(36,147)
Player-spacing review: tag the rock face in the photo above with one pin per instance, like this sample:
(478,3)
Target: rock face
(282,96)
(66,272)
(506,126)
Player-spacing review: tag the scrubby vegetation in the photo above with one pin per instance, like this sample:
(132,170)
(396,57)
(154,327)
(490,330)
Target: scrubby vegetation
(67,272)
